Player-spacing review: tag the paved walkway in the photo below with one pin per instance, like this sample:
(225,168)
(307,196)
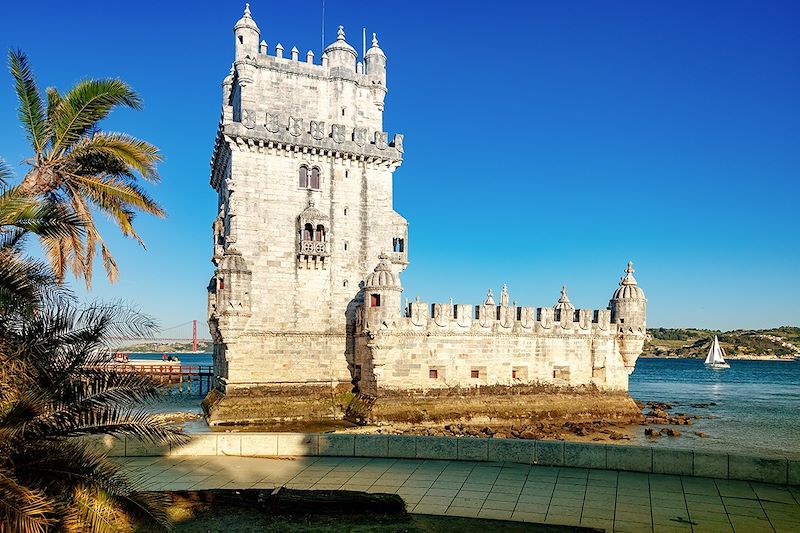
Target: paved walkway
(619,501)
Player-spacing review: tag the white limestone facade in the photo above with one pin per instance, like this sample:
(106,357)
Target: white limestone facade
(303,171)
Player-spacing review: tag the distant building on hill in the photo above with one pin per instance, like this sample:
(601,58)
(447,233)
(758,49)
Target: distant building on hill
(303,170)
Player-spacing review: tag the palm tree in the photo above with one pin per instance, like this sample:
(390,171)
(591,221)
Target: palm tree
(25,281)
(80,168)
(55,392)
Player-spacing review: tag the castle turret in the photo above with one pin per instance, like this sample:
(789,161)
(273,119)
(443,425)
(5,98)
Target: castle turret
(628,311)
(375,62)
(381,294)
(247,34)
(341,55)
(563,306)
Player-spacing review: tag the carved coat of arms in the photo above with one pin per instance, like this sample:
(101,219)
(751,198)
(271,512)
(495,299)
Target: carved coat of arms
(295,126)
(381,140)
(317,129)
(360,136)
(273,122)
(338,132)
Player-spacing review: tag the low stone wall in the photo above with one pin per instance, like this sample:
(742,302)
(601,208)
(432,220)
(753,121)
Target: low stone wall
(780,470)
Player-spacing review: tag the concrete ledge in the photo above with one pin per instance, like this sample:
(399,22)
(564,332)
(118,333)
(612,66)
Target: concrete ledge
(298,444)
(670,461)
(584,455)
(401,447)
(337,445)
(710,464)
(549,453)
(630,458)
(371,446)
(259,444)
(437,448)
(471,449)
(511,450)
(763,469)
(658,460)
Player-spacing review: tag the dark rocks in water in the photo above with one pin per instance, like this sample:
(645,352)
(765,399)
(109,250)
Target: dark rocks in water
(702,435)
(671,432)
(650,432)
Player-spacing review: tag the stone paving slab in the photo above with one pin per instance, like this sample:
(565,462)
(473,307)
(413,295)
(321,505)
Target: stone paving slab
(606,499)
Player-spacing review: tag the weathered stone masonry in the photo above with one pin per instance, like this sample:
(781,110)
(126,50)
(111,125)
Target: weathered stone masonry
(303,172)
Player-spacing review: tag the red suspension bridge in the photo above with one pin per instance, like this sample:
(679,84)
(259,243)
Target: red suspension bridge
(185,333)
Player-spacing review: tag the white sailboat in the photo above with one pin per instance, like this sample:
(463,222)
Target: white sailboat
(716,356)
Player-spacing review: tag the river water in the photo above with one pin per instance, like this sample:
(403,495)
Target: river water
(757,403)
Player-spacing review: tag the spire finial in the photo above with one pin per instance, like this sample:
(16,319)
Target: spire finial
(374,40)
(564,299)
(628,278)
(630,269)
(247,10)
(340,34)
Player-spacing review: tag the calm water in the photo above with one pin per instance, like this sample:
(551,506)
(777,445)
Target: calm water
(757,402)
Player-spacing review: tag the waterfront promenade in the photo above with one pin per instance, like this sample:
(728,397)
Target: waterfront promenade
(608,499)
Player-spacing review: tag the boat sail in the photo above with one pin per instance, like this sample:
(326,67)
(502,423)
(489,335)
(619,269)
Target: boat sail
(715,357)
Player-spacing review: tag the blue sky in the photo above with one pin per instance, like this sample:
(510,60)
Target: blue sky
(547,143)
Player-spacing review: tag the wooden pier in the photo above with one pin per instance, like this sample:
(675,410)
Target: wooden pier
(197,377)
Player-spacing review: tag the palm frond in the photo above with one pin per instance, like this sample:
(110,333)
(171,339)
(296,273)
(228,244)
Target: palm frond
(6,174)
(83,106)
(23,509)
(22,282)
(31,110)
(44,218)
(108,153)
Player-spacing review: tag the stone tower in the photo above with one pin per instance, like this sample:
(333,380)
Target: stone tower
(303,172)
(628,311)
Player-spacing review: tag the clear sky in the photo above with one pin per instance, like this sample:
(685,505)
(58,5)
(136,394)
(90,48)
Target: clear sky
(547,143)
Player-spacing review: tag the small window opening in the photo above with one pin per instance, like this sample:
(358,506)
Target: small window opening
(319,234)
(221,283)
(433,373)
(346,173)
(308,232)
(345,211)
(314,178)
(398,244)
(241,40)
(303,176)
(345,247)
(475,374)
(375,300)
(513,374)
(344,283)
(343,110)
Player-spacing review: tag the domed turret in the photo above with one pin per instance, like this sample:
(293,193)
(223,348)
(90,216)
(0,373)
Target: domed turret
(375,62)
(381,295)
(383,277)
(564,305)
(247,35)
(628,311)
(340,54)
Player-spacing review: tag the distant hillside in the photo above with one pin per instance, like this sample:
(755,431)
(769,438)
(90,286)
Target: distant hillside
(165,347)
(782,342)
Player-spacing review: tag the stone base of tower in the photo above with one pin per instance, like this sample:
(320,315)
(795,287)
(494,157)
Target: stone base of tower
(503,405)
(278,407)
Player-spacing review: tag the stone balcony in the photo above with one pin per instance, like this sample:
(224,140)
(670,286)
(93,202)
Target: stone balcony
(313,248)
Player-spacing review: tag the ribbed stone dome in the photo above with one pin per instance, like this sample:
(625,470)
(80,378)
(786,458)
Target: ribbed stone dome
(628,289)
(563,303)
(246,21)
(340,44)
(382,277)
(375,49)
(233,261)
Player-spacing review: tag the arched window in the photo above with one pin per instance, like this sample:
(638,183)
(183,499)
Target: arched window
(319,235)
(308,232)
(314,178)
(303,176)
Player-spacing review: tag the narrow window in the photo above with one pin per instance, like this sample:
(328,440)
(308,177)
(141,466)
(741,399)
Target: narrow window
(221,283)
(345,247)
(345,211)
(241,40)
(314,178)
(303,176)
(375,300)
(344,283)
(514,374)
(343,110)
(319,235)
(346,173)
(475,374)
(433,373)
(308,231)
